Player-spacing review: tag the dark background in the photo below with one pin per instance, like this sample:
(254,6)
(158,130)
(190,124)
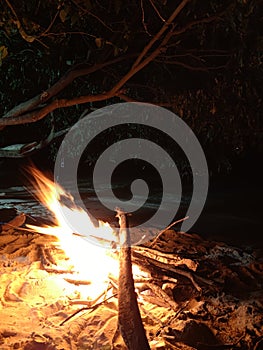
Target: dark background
(210,75)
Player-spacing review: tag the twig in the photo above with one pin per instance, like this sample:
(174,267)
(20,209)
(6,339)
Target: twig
(81,302)
(93,15)
(160,33)
(51,24)
(143,19)
(167,228)
(91,308)
(151,256)
(53,269)
(77,282)
(171,346)
(25,36)
(143,60)
(167,258)
(176,270)
(157,11)
(159,292)
(181,272)
(199,21)
(90,303)
(190,67)
(256,346)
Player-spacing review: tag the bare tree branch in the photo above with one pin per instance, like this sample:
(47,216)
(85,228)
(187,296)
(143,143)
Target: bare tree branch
(190,67)
(51,24)
(24,112)
(144,60)
(23,33)
(72,74)
(156,10)
(84,10)
(34,116)
(199,21)
(161,32)
(143,20)
(36,108)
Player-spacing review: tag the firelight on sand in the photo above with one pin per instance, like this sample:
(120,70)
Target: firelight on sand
(92,263)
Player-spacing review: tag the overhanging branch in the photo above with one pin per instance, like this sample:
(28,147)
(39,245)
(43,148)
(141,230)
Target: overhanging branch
(72,74)
(39,106)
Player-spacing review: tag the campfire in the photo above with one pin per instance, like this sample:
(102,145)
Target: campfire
(59,288)
(91,262)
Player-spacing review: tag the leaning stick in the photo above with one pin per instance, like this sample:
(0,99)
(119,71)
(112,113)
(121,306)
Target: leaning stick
(129,317)
(167,228)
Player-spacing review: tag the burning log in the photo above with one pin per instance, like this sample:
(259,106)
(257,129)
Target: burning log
(129,317)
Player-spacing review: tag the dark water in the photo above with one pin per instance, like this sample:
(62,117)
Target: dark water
(232,213)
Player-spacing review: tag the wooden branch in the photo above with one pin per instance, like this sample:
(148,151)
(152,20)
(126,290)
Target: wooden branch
(61,84)
(23,33)
(18,221)
(129,318)
(143,61)
(177,270)
(160,33)
(25,113)
(85,10)
(167,228)
(141,65)
(55,104)
(193,68)
(19,115)
(199,21)
(167,258)
(157,11)
(26,150)
(77,282)
(115,91)
(89,307)
(161,294)
(143,20)
(185,65)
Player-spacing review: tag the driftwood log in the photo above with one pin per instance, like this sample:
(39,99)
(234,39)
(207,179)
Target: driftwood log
(129,317)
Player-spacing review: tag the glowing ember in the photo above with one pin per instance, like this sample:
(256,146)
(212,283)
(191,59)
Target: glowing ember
(91,262)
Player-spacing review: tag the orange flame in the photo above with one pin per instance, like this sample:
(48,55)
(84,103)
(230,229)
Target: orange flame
(91,262)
